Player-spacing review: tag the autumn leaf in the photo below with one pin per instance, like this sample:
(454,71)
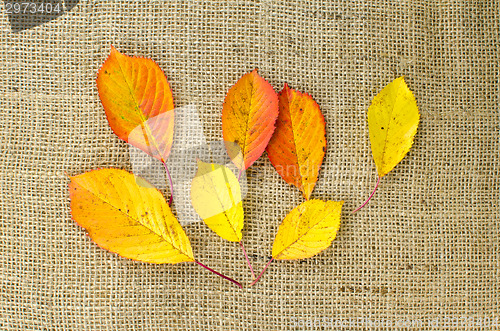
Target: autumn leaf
(298,145)
(248,117)
(124,214)
(216,197)
(138,102)
(392,121)
(307,230)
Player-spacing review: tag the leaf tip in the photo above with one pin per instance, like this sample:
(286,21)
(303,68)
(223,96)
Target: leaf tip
(285,88)
(113,51)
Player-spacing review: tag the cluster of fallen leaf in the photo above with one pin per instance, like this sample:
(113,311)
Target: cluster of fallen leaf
(125,214)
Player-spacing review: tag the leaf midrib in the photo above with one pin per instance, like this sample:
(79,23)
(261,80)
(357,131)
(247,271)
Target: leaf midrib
(138,109)
(231,196)
(295,143)
(247,136)
(389,125)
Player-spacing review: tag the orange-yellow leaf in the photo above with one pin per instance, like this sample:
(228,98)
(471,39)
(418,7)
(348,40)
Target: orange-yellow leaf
(298,145)
(307,230)
(124,214)
(248,116)
(393,120)
(216,197)
(138,102)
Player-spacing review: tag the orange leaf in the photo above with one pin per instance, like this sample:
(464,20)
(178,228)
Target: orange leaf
(298,145)
(124,214)
(248,116)
(138,102)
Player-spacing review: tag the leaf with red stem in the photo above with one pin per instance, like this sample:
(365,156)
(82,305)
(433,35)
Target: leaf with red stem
(307,230)
(138,102)
(126,215)
(393,119)
(216,197)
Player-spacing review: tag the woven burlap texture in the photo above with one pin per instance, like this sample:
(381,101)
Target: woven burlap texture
(425,248)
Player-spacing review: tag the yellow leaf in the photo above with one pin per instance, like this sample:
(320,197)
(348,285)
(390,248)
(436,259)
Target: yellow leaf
(307,230)
(216,197)
(124,214)
(392,120)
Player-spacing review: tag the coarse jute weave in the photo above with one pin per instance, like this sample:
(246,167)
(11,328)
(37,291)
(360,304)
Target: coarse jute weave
(425,249)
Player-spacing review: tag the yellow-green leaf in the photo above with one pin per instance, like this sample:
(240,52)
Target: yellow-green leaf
(307,230)
(124,214)
(392,120)
(216,197)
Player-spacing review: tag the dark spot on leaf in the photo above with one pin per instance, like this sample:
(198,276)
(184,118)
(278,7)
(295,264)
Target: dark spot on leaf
(382,128)
(324,148)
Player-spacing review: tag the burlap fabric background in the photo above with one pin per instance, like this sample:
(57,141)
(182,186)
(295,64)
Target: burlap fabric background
(425,248)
